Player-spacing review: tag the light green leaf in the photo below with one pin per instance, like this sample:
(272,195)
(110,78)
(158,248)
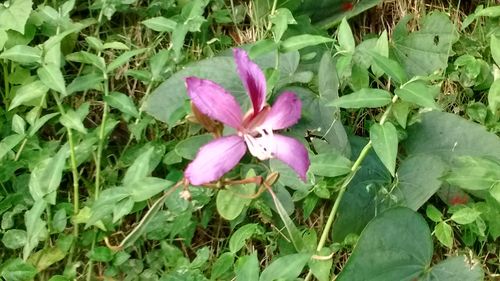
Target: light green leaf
(35,227)
(385,143)
(419,93)
(433,213)
(146,188)
(85,82)
(160,24)
(139,169)
(123,58)
(222,265)
(400,111)
(18,125)
(28,93)
(369,98)
(122,208)
(330,165)
(46,177)
(14,238)
(494,96)
(285,268)
(247,268)
(22,54)
(475,173)
(444,234)
(115,45)
(281,18)
(15,15)
(52,77)
(87,58)
(390,67)
(72,120)
(8,143)
(465,215)
(345,37)
(232,201)
(493,11)
(17,270)
(40,122)
(188,148)
(298,42)
(495,49)
(239,237)
(294,234)
(262,47)
(94,43)
(123,103)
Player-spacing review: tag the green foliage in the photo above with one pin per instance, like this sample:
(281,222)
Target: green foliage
(97,130)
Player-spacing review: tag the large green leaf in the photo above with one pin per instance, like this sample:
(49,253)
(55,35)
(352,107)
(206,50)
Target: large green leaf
(419,177)
(397,245)
(166,103)
(449,136)
(232,200)
(370,98)
(15,15)
(427,50)
(285,268)
(363,198)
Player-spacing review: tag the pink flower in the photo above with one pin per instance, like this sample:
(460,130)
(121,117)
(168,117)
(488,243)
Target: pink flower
(253,130)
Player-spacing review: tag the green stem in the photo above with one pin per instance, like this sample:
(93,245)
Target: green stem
(100,145)
(5,96)
(354,169)
(74,171)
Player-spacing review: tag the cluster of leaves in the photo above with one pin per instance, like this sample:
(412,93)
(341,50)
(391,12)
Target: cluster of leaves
(88,168)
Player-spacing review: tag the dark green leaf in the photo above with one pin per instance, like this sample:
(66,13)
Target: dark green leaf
(123,58)
(390,67)
(222,265)
(239,237)
(17,270)
(330,165)
(123,103)
(102,254)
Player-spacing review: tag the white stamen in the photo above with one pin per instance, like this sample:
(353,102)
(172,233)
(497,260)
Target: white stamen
(260,147)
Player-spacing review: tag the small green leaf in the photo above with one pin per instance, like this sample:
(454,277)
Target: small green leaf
(17,270)
(40,122)
(293,232)
(115,46)
(22,54)
(87,58)
(52,77)
(444,234)
(188,148)
(247,268)
(8,143)
(390,67)
(465,215)
(330,165)
(123,58)
(419,93)
(46,177)
(18,124)
(494,96)
(85,82)
(160,24)
(433,213)
(222,265)
(28,92)
(321,268)
(281,18)
(369,98)
(238,238)
(385,143)
(345,37)
(146,188)
(123,103)
(301,41)
(14,238)
(102,254)
(493,11)
(35,227)
(72,120)
(285,268)
(94,43)
(59,221)
(262,47)
(495,49)
(400,111)
(122,208)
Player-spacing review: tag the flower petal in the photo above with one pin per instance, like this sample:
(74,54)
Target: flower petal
(215,159)
(215,102)
(253,79)
(284,113)
(291,152)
